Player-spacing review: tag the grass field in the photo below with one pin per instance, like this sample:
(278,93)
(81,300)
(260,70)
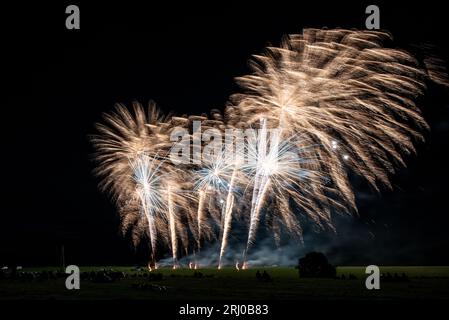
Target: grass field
(424,283)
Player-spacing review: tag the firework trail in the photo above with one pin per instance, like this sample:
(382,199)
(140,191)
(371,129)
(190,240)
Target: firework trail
(340,101)
(219,176)
(261,180)
(148,190)
(208,182)
(200,215)
(172,222)
(214,180)
(130,150)
(277,170)
(229,203)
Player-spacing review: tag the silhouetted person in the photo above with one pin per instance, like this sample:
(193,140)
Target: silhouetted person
(258,275)
(266,277)
(404,277)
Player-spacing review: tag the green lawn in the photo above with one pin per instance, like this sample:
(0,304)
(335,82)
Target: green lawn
(424,283)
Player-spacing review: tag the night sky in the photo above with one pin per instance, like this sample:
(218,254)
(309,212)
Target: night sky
(58,82)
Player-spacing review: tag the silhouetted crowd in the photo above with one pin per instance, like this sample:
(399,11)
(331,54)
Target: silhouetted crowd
(348,277)
(100,276)
(18,274)
(264,276)
(384,277)
(110,275)
(388,277)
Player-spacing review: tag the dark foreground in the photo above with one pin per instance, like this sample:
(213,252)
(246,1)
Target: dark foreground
(397,283)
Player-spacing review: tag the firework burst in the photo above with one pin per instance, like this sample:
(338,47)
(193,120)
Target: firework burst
(325,103)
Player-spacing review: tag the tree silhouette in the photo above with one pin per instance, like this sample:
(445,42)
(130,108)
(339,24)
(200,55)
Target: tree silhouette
(316,265)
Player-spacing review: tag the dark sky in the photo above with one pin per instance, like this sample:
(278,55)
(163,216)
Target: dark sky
(57,82)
